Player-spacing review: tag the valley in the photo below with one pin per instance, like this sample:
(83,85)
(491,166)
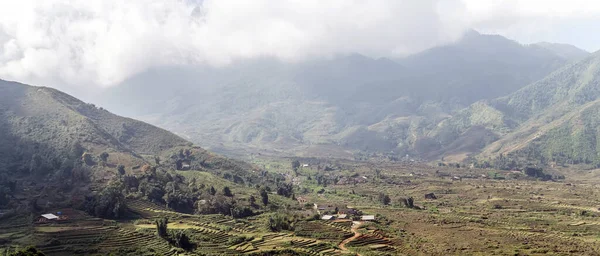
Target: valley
(472,212)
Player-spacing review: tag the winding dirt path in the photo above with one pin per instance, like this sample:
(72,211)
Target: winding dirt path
(355,226)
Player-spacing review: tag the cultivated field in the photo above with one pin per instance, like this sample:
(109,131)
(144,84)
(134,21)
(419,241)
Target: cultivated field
(474,212)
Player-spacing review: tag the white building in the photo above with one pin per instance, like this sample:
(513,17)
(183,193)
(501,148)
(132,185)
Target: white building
(327,217)
(50,216)
(367,217)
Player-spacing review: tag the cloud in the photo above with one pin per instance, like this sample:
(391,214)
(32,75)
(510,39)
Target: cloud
(103,42)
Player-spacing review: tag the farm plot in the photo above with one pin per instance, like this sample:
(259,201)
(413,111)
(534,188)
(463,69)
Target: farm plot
(323,230)
(15,228)
(371,241)
(129,240)
(71,240)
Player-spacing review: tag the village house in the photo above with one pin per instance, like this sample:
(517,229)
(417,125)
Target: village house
(50,217)
(367,218)
(327,217)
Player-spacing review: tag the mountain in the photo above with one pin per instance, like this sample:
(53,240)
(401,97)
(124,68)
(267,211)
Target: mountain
(553,121)
(566,51)
(334,106)
(479,67)
(57,151)
(53,123)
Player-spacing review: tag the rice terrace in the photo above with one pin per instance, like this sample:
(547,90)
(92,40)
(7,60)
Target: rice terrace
(472,211)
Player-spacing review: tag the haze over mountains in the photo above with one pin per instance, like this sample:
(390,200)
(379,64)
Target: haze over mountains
(341,105)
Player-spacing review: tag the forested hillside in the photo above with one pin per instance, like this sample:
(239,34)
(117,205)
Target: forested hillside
(56,151)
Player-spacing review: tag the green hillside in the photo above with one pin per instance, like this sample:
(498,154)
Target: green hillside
(56,151)
(553,121)
(53,125)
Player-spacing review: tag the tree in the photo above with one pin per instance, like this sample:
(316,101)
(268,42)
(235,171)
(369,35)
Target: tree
(408,202)
(110,203)
(227,192)
(285,189)
(280,222)
(212,191)
(121,169)
(295,165)
(181,240)
(384,199)
(264,196)
(104,157)
(87,158)
(252,201)
(161,227)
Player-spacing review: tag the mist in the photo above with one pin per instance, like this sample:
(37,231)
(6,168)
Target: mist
(100,43)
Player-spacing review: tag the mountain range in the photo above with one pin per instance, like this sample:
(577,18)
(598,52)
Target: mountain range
(456,101)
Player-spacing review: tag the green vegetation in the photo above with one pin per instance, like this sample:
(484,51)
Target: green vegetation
(29,251)
(342,107)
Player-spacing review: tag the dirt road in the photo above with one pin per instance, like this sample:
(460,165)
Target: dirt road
(355,226)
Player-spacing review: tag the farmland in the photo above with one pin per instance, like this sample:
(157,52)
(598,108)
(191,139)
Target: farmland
(474,212)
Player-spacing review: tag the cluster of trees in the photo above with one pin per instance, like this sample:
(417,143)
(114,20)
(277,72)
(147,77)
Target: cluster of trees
(281,221)
(153,184)
(109,203)
(178,238)
(537,173)
(188,196)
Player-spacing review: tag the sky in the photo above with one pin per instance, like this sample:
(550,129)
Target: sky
(84,44)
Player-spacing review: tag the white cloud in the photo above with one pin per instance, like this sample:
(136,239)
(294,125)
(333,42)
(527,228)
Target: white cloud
(102,42)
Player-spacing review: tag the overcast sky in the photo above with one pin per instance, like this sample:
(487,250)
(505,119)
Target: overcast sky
(99,43)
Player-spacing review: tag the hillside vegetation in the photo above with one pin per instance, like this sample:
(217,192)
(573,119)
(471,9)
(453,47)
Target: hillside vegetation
(552,121)
(56,151)
(338,105)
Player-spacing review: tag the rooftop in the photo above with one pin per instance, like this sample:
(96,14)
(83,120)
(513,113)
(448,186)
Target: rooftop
(367,217)
(327,217)
(50,216)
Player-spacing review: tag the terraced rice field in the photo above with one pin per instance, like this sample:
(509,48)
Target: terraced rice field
(223,235)
(325,230)
(15,228)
